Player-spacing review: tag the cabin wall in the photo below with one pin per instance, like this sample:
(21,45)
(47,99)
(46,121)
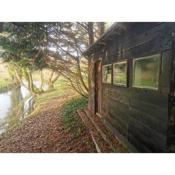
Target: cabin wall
(171,123)
(141,115)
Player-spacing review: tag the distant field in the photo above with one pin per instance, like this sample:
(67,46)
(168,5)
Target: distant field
(46,74)
(5,80)
(3,71)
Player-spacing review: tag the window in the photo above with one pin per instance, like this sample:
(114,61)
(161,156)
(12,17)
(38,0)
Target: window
(120,73)
(146,72)
(107,73)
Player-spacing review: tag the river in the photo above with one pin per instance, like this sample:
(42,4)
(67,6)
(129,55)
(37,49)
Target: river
(15,105)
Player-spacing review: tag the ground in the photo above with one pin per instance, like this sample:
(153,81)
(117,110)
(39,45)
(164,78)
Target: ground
(55,127)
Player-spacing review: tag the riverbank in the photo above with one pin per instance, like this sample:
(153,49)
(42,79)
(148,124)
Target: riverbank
(53,127)
(17,103)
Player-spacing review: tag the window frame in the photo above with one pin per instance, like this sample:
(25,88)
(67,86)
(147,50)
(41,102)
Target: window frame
(119,84)
(133,70)
(103,66)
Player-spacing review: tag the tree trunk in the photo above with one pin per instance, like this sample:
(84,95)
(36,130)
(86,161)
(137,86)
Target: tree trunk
(42,80)
(30,81)
(91,33)
(90,68)
(91,63)
(101,28)
(19,78)
(50,80)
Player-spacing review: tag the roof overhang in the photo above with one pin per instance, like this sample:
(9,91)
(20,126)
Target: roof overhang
(117,29)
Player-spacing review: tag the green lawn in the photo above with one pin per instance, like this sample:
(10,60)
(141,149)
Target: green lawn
(60,89)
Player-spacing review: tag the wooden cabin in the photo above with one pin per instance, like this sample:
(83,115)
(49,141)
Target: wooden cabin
(132,84)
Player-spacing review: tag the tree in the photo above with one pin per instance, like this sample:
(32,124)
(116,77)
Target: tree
(23,53)
(70,41)
(58,46)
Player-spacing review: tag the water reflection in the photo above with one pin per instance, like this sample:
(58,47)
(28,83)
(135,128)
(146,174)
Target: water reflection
(5,104)
(14,105)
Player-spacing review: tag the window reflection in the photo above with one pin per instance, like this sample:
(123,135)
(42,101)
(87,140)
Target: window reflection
(120,73)
(146,72)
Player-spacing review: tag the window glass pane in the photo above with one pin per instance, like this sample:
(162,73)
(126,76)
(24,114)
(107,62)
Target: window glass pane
(107,74)
(146,72)
(120,73)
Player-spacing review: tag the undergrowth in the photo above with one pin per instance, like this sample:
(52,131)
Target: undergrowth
(70,120)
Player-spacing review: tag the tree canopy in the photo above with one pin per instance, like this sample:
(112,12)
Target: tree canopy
(55,45)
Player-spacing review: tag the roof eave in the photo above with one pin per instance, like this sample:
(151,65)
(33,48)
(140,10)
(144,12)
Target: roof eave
(115,29)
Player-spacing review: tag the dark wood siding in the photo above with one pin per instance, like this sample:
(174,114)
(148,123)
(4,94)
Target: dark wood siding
(141,115)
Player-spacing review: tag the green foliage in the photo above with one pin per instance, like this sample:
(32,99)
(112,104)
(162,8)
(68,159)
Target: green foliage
(55,45)
(21,43)
(71,106)
(71,121)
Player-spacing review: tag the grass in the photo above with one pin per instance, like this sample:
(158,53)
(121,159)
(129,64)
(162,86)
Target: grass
(71,121)
(47,96)
(60,89)
(5,84)
(37,75)
(69,117)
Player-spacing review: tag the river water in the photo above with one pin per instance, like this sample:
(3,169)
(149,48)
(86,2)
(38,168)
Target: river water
(15,104)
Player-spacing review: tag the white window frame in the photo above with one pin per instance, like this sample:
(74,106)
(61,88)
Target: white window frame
(133,70)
